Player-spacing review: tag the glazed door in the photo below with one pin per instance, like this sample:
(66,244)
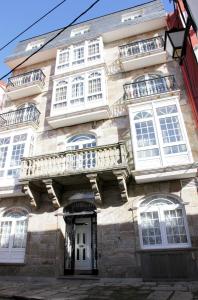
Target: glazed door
(83,251)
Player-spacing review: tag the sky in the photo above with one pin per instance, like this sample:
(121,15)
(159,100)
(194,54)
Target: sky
(15,16)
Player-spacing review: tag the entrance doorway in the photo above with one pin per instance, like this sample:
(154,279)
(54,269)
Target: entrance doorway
(81,238)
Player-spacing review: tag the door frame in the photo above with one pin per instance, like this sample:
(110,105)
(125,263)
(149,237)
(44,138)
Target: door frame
(70,219)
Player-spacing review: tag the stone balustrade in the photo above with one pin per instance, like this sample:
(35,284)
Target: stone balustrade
(79,161)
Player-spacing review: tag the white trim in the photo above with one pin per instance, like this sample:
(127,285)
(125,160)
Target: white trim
(10,180)
(13,254)
(86,104)
(164,159)
(69,66)
(162,226)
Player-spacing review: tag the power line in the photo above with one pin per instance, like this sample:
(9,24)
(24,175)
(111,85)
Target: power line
(49,41)
(22,32)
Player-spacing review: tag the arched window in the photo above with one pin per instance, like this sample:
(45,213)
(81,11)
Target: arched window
(82,159)
(149,84)
(162,223)
(60,94)
(13,234)
(25,112)
(145,135)
(78,92)
(81,141)
(94,86)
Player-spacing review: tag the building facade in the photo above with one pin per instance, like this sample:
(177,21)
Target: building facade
(99,154)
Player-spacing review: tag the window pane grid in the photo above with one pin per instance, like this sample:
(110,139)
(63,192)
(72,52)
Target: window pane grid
(175,228)
(20,234)
(17,154)
(3,155)
(170,128)
(151,233)
(5,231)
(78,56)
(145,133)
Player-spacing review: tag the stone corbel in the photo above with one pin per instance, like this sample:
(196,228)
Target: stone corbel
(32,193)
(121,178)
(54,191)
(93,179)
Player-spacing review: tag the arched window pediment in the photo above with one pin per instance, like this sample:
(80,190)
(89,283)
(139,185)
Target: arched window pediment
(143,115)
(162,223)
(13,229)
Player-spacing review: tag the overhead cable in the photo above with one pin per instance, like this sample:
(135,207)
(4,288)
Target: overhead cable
(50,40)
(25,30)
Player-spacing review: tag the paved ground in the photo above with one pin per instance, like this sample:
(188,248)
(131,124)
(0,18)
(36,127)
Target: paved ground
(101,289)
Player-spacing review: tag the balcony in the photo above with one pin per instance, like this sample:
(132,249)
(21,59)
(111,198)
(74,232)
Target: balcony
(142,54)
(26,84)
(71,162)
(20,117)
(56,172)
(145,88)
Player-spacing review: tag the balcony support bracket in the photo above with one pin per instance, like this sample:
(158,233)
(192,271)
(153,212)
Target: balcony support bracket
(122,176)
(33,194)
(95,185)
(54,191)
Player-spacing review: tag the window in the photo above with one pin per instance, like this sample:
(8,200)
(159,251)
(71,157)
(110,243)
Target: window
(79,31)
(63,59)
(94,86)
(12,149)
(82,90)
(149,85)
(77,91)
(132,16)
(13,234)
(82,159)
(78,55)
(34,45)
(94,50)
(159,135)
(61,94)
(162,223)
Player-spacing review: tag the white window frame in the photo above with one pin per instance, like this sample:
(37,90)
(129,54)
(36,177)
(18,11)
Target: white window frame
(132,16)
(72,64)
(86,103)
(28,145)
(61,84)
(12,254)
(161,209)
(162,158)
(34,45)
(79,31)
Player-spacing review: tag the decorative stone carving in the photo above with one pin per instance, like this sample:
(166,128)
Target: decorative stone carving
(33,194)
(54,191)
(93,179)
(121,176)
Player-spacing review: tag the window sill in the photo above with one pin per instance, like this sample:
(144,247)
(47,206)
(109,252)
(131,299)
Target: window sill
(168,250)
(12,264)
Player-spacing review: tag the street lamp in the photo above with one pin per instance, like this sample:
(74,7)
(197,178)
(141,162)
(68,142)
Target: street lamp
(174,42)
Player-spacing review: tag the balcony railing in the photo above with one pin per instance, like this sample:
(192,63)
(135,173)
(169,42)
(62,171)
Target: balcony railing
(149,87)
(24,79)
(23,115)
(141,47)
(75,161)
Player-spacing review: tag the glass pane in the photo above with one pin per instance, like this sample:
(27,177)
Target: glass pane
(151,232)
(145,134)
(175,229)
(20,234)
(5,230)
(170,128)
